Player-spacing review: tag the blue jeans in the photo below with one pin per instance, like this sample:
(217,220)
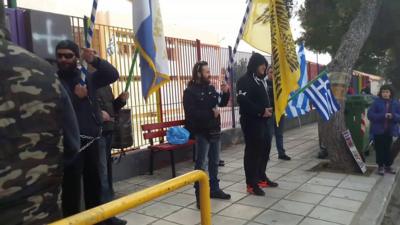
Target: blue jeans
(106,192)
(108,136)
(278,133)
(207,157)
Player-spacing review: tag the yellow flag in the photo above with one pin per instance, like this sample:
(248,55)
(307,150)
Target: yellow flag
(284,58)
(257,31)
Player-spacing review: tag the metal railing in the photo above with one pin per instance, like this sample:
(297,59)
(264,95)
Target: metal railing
(113,208)
(182,55)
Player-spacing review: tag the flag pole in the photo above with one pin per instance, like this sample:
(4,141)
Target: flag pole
(299,120)
(307,85)
(129,79)
(88,39)
(238,38)
(232,91)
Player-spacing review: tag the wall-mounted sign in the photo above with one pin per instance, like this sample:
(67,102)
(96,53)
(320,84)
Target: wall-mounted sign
(46,30)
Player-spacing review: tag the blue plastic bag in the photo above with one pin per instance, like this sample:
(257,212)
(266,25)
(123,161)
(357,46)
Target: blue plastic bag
(177,135)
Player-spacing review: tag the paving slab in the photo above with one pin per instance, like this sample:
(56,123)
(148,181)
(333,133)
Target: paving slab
(349,194)
(278,218)
(311,221)
(241,211)
(340,203)
(293,207)
(184,216)
(258,201)
(332,215)
(302,198)
(317,189)
(305,197)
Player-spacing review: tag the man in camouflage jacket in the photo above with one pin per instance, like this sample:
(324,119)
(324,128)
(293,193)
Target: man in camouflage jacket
(35,114)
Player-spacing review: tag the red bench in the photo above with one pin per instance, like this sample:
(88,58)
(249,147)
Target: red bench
(159,130)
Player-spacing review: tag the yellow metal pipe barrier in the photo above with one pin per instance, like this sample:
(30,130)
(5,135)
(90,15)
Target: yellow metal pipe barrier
(120,205)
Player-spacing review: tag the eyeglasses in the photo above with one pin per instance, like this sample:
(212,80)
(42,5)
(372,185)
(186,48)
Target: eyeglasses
(65,55)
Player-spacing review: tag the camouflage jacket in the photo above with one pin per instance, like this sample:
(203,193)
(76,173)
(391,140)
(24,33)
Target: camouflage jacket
(32,108)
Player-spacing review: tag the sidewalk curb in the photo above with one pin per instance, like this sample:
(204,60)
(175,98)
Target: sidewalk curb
(374,208)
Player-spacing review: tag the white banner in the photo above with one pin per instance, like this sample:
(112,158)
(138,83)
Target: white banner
(353,150)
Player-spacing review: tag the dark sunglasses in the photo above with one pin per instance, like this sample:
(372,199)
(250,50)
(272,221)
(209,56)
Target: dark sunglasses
(65,55)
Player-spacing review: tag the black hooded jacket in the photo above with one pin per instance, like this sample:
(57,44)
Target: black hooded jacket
(252,95)
(87,109)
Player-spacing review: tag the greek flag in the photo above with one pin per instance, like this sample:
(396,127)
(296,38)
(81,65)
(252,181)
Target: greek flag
(299,105)
(149,38)
(111,47)
(320,94)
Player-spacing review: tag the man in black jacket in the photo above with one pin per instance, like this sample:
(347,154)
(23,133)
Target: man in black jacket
(255,111)
(91,162)
(276,130)
(201,101)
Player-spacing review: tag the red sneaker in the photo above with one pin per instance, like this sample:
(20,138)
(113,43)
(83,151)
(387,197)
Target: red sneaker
(256,190)
(263,184)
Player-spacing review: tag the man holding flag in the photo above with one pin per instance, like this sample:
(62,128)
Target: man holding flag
(91,161)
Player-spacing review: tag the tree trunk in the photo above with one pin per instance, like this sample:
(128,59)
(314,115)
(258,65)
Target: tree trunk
(340,70)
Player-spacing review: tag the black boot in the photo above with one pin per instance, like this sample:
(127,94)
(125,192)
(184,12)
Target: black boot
(284,157)
(271,183)
(219,194)
(197,193)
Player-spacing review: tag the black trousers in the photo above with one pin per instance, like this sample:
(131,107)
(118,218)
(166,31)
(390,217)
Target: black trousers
(90,164)
(256,152)
(265,156)
(383,144)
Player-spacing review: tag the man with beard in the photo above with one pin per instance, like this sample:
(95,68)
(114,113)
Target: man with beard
(255,111)
(201,101)
(91,162)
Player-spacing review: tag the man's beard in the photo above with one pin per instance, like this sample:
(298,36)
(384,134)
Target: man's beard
(205,81)
(67,67)
(261,76)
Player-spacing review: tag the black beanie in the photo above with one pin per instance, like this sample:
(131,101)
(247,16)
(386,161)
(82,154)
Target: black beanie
(67,44)
(255,61)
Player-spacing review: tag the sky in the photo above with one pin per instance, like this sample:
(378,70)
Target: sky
(201,18)
(224,18)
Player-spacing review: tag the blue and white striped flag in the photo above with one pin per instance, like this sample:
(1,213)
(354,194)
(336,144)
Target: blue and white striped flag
(320,94)
(88,43)
(299,105)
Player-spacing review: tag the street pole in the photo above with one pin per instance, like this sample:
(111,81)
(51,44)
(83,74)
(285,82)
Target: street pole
(233,91)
